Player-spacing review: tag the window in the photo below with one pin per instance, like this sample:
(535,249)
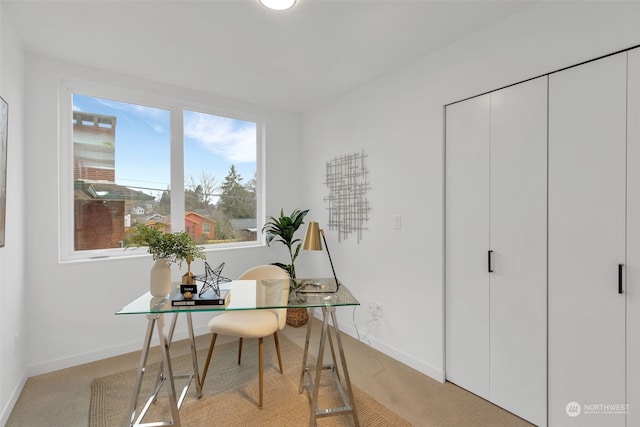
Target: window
(223,205)
(129,160)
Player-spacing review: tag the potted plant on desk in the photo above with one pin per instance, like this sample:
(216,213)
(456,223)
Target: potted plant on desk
(283,229)
(166,249)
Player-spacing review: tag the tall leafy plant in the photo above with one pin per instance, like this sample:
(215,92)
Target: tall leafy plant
(283,229)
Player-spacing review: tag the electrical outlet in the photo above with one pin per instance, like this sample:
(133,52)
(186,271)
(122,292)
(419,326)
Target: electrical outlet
(374,309)
(377,311)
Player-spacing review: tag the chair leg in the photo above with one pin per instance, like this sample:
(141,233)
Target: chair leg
(275,338)
(206,365)
(260,367)
(239,350)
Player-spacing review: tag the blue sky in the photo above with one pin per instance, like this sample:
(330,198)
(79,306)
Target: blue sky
(212,143)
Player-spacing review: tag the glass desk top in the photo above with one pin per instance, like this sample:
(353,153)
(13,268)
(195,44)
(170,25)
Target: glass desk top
(253,295)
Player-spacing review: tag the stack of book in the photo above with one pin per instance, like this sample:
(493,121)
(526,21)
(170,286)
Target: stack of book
(209,298)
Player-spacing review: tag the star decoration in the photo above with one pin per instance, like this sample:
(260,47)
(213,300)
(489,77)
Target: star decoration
(211,279)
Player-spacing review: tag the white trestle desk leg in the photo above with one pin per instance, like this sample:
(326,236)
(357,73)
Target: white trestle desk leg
(168,372)
(306,351)
(161,375)
(319,365)
(352,401)
(194,356)
(314,383)
(333,353)
(165,373)
(141,367)
(194,359)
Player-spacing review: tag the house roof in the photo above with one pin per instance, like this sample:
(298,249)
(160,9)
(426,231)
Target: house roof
(100,190)
(244,224)
(196,217)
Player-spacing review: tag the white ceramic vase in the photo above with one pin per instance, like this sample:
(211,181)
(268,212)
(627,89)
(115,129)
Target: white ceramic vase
(160,278)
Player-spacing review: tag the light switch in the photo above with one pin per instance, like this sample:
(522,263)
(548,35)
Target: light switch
(397,222)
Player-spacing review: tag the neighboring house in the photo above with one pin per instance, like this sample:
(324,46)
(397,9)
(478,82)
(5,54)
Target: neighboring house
(102,208)
(199,226)
(160,225)
(100,213)
(245,227)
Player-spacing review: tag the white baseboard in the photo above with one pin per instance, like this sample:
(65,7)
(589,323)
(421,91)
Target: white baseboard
(79,359)
(11,402)
(394,353)
(400,356)
(67,362)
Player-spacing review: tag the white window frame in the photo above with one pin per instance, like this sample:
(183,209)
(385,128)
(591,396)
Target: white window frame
(176,107)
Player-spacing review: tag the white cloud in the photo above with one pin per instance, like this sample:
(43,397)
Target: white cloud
(230,138)
(154,117)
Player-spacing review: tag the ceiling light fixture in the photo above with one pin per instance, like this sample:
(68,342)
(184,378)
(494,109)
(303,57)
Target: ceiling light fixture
(278,4)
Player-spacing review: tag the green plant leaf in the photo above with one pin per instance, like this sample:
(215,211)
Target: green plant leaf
(173,247)
(283,229)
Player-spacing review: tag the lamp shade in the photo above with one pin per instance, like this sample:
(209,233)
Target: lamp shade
(312,240)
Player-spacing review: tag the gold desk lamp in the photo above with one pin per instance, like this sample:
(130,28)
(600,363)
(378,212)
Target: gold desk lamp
(312,243)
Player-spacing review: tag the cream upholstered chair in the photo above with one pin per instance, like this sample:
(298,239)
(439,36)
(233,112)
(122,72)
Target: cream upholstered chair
(252,323)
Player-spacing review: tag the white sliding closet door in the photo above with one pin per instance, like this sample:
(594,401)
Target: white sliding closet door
(467,239)
(633,238)
(518,301)
(496,289)
(587,209)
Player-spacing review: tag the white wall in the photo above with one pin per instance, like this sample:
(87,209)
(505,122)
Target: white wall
(398,121)
(71,306)
(12,255)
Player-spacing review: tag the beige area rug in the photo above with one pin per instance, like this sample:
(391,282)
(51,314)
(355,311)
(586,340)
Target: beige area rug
(230,393)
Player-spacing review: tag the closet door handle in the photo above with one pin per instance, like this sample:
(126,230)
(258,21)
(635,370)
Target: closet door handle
(489,267)
(620,268)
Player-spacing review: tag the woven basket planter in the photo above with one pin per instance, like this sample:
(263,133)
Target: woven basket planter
(297,317)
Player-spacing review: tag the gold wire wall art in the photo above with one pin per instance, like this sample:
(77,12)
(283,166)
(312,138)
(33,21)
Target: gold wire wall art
(346,180)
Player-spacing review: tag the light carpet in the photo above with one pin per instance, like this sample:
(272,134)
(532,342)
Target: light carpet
(230,393)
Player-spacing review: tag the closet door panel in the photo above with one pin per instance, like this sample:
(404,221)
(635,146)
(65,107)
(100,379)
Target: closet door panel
(587,177)
(467,237)
(633,238)
(518,230)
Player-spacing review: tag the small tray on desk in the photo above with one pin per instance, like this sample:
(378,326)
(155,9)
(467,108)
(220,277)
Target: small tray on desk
(316,286)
